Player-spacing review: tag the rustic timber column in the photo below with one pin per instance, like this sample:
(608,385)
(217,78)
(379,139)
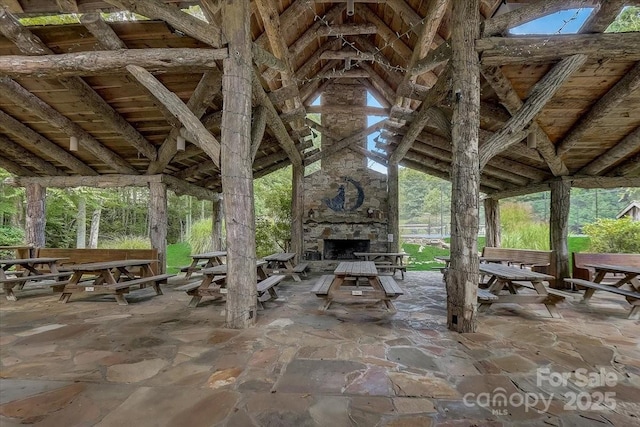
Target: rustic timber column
(158,222)
(462,276)
(492,222)
(235,166)
(35,221)
(216,223)
(297,207)
(393,223)
(559,231)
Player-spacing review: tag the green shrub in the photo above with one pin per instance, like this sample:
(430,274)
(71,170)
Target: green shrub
(126,242)
(614,235)
(11,236)
(199,237)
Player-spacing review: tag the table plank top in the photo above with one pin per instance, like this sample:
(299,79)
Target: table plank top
(222,268)
(107,265)
(27,261)
(208,255)
(512,273)
(365,254)
(356,269)
(615,268)
(282,256)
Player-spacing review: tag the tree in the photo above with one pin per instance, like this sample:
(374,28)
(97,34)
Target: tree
(628,20)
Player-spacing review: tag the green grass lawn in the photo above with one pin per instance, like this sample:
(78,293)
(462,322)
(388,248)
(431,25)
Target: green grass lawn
(424,260)
(178,255)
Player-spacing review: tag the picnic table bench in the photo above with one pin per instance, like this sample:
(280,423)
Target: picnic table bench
(29,273)
(282,263)
(203,260)
(386,262)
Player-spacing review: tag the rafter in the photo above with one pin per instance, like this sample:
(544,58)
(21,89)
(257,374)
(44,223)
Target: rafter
(14,168)
(347,109)
(512,102)
(16,151)
(43,145)
(627,168)
(618,93)
(540,94)
(35,105)
(603,16)
(387,34)
(531,50)
(629,145)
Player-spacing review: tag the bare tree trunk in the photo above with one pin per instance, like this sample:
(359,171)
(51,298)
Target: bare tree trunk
(36,219)
(216,224)
(297,206)
(81,224)
(559,231)
(462,276)
(95,228)
(492,222)
(236,171)
(393,224)
(158,222)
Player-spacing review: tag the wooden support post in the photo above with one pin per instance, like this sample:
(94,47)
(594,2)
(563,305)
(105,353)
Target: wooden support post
(559,231)
(297,207)
(158,222)
(492,222)
(35,219)
(236,172)
(393,223)
(462,276)
(216,224)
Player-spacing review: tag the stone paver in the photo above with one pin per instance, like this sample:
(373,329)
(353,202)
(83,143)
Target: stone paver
(157,362)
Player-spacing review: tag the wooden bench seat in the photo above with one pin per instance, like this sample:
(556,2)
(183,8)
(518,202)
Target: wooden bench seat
(321,287)
(189,286)
(35,278)
(268,286)
(632,297)
(581,271)
(142,281)
(389,268)
(485,296)
(301,269)
(390,286)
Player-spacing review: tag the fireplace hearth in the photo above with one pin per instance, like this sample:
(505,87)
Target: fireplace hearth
(343,249)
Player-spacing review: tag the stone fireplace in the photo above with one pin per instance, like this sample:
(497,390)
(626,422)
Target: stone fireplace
(345,205)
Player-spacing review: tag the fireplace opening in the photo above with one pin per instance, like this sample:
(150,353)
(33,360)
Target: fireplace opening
(344,248)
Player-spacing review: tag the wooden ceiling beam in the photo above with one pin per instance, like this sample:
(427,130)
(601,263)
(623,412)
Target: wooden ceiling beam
(347,53)
(311,89)
(19,95)
(10,148)
(537,49)
(308,66)
(435,95)
(43,145)
(30,44)
(628,146)
(110,62)
(627,168)
(603,16)
(618,93)
(290,16)
(502,23)
(387,34)
(512,102)
(209,33)
(434,58)
(538,97)
(258,126)
(67,6)
(347,110)
(375,89)
(353,73)
(14,168)
(340,30)
(13,6)
(203,138)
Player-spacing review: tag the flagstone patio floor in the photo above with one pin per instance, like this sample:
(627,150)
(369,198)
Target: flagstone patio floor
(157,362)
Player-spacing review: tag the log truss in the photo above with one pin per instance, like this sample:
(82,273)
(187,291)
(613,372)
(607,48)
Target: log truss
(551,106)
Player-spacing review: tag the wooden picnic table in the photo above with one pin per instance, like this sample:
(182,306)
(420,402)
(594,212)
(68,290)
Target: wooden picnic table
(214,284)
(344,285)
(511,278)
(203,260)
(386,261)
(28,272)
(282,263)
(630,274)
(111,277)
(21,250)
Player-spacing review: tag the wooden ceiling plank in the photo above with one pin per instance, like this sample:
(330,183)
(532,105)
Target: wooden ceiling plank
(512,102)
(13,6)
(502,23)
(203,138)
(14,168)
(8,147)
(629,145)
(538,97)
(67,6)
(435,95)
(32,103)
(602,17)
(30,44)
(43,145)
(209,33)
(387,34)
(537,49)
(627,168)
(617,94)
